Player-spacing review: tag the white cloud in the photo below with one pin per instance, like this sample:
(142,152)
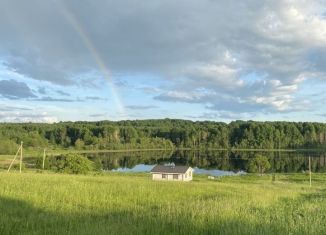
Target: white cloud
(204,49)
(18,116)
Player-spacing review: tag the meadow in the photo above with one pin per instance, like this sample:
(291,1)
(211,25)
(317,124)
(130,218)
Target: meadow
(113,203)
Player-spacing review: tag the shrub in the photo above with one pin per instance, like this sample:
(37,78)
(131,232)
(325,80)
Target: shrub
(8,146)
(17,166)
(39,162)
(71,164)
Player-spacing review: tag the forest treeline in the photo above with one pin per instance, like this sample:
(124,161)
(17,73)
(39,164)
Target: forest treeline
(163,134)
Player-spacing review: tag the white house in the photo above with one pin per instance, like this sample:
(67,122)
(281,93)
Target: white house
(174,173)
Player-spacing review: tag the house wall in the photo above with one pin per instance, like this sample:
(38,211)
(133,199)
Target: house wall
(168,177)
(157,176)
(188,175)
(182,177)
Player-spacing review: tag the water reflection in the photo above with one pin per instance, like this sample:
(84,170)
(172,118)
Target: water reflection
(148,168)
(217,172)
(137,168)
(226,161)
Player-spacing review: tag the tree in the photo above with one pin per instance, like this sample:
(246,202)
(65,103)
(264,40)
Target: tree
(259,164)
(71,164)
(79,144)
(160,133)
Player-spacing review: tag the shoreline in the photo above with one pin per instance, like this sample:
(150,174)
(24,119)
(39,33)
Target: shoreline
(29,152)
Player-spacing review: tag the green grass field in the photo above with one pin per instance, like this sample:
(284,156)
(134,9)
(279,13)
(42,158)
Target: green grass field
(47,203)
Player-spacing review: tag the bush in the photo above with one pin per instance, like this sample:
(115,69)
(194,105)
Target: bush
(17,166)
(8,146)
(71,164)
(39,162)
(79,144)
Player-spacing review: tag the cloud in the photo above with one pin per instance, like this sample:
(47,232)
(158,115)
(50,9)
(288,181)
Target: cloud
(32,66)
(183,96)
(65,100)
(19,116)
(12,108)
(121,83)
(42,90)
(207,51)
(218,115)
(12,89)
(46,91)
(94,98)
(62,93)
(141,107)
(54,99)
(150,90)
(95,115)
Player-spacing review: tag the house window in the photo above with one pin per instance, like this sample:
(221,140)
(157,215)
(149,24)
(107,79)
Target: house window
(175,177)
(164,176)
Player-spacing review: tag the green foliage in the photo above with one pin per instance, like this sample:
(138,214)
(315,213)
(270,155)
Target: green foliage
(259,164)
(71,164)
(163,134)
(8,146)
(39,162)
(16,166)
(98,165)
(79,144)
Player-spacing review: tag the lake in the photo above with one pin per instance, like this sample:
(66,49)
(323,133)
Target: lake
(215,163)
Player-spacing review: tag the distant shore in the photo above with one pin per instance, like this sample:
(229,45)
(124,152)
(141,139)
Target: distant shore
(35,152)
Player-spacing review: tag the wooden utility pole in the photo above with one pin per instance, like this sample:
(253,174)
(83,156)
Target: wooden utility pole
(21,157)
(43,159)
(310,170)
(12,162)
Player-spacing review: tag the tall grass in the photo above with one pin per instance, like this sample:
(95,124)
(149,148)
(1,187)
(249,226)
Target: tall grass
(32,203)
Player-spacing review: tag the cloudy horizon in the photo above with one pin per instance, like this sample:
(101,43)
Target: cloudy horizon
(199,60)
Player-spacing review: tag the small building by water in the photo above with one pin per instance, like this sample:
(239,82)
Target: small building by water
(172,173)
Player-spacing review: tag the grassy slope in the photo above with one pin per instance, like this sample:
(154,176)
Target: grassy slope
(33,203)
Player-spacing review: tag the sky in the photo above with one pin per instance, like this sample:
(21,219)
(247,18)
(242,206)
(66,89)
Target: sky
(70,60)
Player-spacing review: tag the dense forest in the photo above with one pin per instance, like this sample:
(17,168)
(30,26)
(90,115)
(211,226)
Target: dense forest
(163,134)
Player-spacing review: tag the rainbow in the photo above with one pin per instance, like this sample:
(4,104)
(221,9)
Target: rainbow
(95,54)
